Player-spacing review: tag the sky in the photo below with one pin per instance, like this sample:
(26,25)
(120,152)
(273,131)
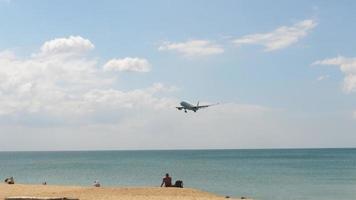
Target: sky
(107,75)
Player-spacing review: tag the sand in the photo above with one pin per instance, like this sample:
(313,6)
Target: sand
(107,193)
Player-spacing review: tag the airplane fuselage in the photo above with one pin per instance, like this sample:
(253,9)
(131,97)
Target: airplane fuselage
(188,106)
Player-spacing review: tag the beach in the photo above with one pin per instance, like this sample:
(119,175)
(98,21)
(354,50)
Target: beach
(107,193)
(309,174)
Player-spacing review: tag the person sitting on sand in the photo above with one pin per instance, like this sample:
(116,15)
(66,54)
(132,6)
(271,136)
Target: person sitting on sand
(96,183)
(10,180)
(167,181)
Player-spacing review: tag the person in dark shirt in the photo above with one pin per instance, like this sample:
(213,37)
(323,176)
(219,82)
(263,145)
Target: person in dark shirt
(167,181)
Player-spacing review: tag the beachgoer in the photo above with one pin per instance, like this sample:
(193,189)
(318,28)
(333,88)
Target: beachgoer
(10,180)
(96,183)
(167,181)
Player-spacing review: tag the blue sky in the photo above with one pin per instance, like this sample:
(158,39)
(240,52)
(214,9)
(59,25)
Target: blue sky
(291,64)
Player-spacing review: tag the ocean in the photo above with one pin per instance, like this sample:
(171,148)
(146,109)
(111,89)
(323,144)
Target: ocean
(276,174)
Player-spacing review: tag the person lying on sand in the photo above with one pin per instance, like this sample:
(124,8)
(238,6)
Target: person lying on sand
(167,181)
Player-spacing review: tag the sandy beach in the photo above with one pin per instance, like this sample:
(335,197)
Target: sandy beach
(107,193)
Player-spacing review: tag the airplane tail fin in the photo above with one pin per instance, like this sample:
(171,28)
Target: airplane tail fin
(198,104)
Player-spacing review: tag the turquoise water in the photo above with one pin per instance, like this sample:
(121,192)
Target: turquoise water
(315,174)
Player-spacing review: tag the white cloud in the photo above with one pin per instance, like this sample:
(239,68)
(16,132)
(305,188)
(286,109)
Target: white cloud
(160,87)
(323,77)
(193,48)
(280,38)
(128,64)
(66,87)
(347,66)
(70,45)
(9,55)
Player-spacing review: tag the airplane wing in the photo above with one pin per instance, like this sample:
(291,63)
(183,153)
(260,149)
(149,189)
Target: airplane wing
(205,106)
(179,107)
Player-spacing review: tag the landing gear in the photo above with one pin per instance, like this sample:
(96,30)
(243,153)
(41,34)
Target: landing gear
(185,111)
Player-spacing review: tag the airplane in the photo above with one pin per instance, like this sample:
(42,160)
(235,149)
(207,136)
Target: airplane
(187,106)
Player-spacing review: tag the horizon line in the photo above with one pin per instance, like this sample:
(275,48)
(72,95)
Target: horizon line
(187,149)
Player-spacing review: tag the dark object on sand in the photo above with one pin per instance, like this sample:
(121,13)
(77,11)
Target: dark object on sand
(10,180)
(227,197)
(96,183)
(39,198)
(179,184)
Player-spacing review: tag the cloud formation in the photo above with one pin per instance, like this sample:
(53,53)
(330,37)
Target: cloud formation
(323,77)
(346,66)
(145,127)
(193,48)
(70,45)
(280,38)
(128,64)
(71,98)
(62,92)
(55,84)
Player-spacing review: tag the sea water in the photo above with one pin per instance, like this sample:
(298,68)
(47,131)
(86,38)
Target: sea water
(283,174)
